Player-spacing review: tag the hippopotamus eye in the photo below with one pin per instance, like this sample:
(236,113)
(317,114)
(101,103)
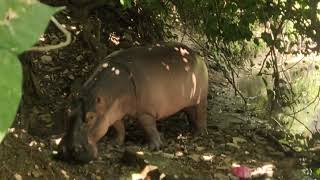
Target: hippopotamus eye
(90,117)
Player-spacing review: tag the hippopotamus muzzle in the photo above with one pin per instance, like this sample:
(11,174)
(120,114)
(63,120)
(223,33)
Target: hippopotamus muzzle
(82,152)
(75,145)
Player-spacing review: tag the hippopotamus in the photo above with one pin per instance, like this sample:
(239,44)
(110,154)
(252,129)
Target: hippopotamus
(146,84)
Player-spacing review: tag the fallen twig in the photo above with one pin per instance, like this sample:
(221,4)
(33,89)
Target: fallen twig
(56,46)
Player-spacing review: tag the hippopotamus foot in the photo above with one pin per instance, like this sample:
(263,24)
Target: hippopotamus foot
(198,116)
(120,132)
(150,127)
(155,145)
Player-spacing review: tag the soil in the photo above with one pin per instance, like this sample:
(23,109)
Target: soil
(234,136)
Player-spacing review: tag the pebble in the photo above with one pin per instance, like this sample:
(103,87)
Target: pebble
(179,153)
(71,77)
(207,157)
(78,58)
(18,177)
(36,173)
(64,173)
(45,59)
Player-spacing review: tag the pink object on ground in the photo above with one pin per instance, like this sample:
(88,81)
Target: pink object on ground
(242,172)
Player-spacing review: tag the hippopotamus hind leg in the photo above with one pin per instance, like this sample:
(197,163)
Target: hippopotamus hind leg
(197,115)
(150,127)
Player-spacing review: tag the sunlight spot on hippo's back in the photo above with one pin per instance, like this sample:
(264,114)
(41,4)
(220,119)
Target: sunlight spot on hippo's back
(194,87)
(199,97)
(168,67)
(184,59)
(141,153)
(54,152)
(191,95)
(165,65)
(183,90)
(117,72)
(105,65)
(184,52)
(187,68)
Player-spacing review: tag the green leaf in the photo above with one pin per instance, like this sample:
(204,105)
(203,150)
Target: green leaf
(22,22)
(10,89)
(126,3)
(317,171)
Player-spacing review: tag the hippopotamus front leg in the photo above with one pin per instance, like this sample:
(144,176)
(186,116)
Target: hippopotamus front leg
(149,125)
(120,132)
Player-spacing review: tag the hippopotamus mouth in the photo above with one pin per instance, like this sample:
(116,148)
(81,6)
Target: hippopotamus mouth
(82,153)
(75,144)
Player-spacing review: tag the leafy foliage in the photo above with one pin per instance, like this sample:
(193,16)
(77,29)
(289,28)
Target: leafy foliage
(10,89)
(126,3)
(21,23)
(284,26)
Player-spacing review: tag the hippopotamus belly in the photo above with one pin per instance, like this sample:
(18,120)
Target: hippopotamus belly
(163,90)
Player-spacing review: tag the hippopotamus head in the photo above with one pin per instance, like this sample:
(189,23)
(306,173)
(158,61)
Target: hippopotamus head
(90,117)
(77,144)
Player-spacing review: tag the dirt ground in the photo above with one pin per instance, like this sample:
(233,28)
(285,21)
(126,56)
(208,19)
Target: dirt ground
(234,135)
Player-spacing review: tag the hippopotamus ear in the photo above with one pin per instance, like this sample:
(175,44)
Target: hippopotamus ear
(98,99)
(90,117)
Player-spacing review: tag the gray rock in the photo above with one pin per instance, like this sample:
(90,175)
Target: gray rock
(45,59)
